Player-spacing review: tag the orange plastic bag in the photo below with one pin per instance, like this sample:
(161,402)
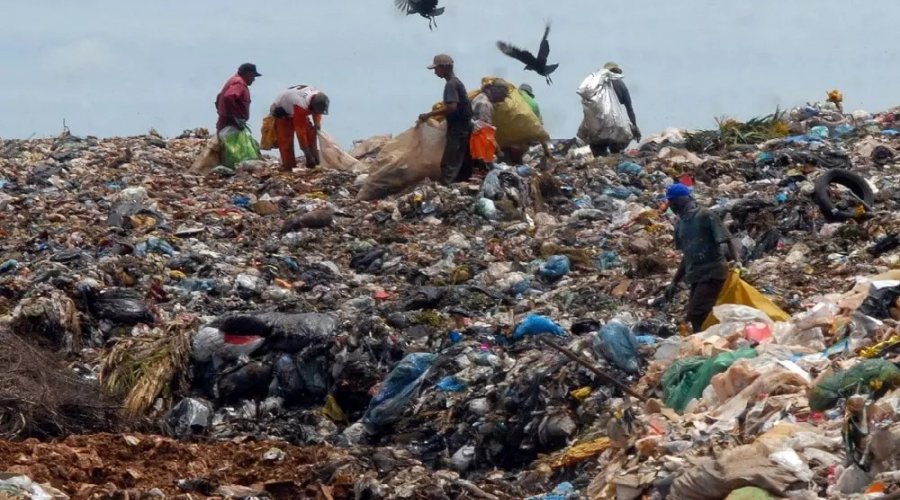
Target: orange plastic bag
(482,145)
(268,139)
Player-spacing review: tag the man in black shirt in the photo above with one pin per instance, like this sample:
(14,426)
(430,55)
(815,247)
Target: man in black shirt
(455,165)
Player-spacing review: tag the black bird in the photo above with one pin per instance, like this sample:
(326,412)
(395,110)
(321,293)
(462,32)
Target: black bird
(537,64)
(426,8)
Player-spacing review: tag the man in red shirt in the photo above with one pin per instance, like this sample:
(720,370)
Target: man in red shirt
(233,102)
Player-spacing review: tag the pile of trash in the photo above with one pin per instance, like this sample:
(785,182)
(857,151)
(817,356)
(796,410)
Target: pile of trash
(506,333)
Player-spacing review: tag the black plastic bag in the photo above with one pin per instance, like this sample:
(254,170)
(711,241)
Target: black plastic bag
(879,302)
(121,305)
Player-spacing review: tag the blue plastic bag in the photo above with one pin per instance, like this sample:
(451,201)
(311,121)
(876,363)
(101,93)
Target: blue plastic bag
(520,287)
(621,192)
(764,158)
(608,259)
(242,201)
(563,491)
(630,168)
(646,339)
(451,384)
(398,388)
(155,245)
(555,268)
(843,129)
(534,324)
(616,343)
(820,131)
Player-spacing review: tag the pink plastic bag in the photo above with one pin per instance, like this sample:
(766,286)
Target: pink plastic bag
(758,332)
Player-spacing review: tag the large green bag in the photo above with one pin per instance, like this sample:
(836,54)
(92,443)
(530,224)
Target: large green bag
(686,379)
(237,145)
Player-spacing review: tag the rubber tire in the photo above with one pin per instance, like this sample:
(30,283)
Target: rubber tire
(854,182)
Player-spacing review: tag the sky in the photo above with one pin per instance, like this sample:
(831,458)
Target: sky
(119,68)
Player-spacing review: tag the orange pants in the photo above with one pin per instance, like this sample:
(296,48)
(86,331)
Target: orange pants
(285,129)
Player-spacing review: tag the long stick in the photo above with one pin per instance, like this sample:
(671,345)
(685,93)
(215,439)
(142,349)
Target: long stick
(590,366)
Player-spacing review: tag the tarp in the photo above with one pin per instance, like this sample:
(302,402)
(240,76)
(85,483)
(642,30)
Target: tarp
(738,291)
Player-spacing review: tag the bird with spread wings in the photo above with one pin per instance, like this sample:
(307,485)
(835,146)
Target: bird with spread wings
(537,64)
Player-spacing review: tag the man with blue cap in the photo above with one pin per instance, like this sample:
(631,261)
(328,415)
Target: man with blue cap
(700,235)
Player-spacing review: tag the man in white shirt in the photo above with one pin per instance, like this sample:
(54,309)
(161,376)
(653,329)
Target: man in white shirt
(298,110)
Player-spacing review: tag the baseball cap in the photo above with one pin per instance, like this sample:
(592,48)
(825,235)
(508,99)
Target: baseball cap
(441,60)
(248,68)
(320,103)
(677,191)
(611,66)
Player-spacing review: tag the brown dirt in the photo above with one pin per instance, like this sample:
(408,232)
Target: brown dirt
(109,466)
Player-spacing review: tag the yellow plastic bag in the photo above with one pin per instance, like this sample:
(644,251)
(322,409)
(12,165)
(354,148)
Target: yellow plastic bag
(516,123)
(738,291)
(268,139)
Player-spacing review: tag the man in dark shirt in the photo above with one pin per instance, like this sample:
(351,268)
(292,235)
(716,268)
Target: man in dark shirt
(700,235)
(602,148)
(455,165)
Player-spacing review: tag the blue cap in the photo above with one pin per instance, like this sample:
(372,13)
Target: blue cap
(677,191)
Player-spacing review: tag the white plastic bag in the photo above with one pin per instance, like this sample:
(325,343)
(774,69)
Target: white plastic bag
(605,118)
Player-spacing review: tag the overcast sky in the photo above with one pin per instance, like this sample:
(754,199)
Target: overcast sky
(120,67)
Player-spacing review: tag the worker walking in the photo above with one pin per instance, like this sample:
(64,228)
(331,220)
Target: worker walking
(700,235)
(298,111)
(233,102)
(455,164)
(605,147)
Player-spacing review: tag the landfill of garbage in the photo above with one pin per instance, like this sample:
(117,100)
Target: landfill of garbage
(248,333)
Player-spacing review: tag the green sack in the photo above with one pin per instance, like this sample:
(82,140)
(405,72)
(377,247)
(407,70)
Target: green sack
(869,376)
(237,145)
(687,378)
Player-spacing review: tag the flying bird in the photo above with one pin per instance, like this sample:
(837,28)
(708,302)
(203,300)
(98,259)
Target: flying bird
(537,64)
(426,8)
